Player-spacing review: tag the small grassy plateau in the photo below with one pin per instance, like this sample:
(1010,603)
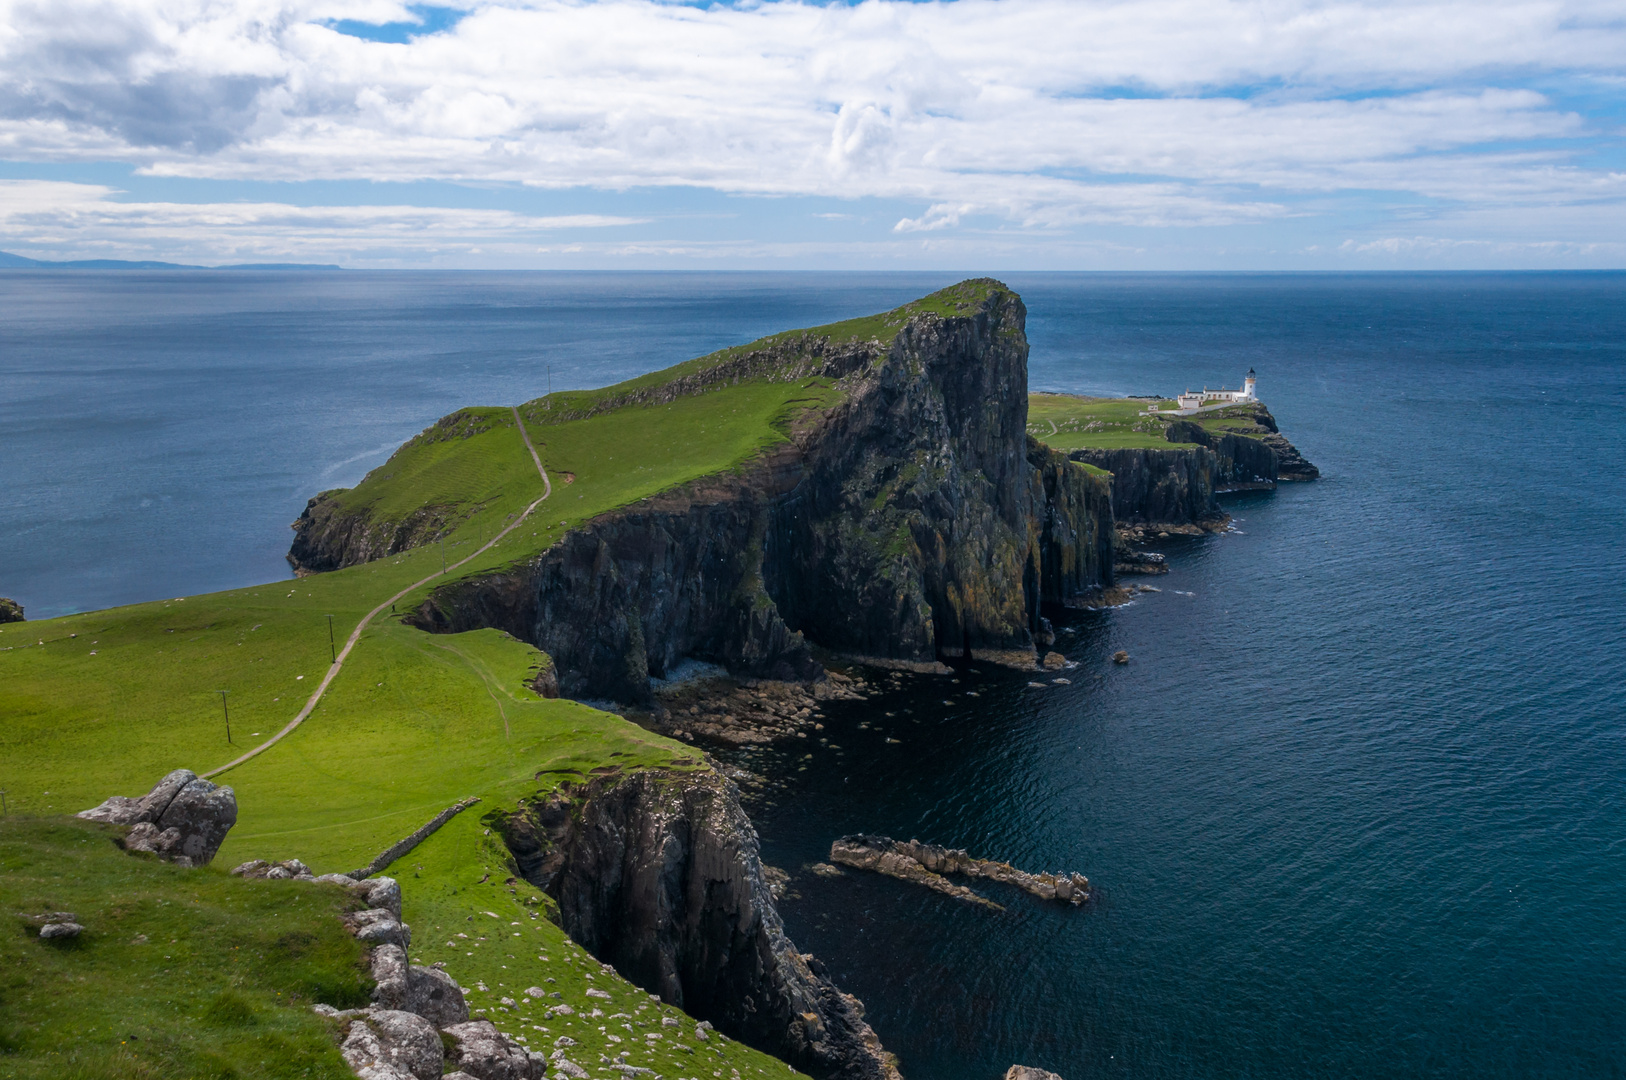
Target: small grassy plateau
(107,702)
(1067,422)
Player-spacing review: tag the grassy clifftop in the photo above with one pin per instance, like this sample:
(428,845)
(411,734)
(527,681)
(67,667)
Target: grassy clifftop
(106,702)
(1069,422)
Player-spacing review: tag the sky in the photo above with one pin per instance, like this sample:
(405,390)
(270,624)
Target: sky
(965,134)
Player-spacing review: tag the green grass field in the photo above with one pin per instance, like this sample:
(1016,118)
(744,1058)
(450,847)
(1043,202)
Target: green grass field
(1066,422)
(107,702)
(179,974)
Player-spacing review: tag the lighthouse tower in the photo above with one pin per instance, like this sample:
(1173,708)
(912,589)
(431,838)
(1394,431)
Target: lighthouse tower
(1248,385)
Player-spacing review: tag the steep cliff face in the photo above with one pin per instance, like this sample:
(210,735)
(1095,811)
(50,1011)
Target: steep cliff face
(330,535)
(659,875)
(911,521)
(1177,486)
(1174,486)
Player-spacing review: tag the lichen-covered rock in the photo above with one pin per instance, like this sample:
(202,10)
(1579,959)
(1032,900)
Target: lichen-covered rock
(61,930)
(379,926)
(485,1053)
(389,969)
(383,892)
(435,996)
(392,1045)
(181,818)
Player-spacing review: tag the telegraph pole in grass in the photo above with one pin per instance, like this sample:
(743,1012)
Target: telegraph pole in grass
(225,712)
(332,649)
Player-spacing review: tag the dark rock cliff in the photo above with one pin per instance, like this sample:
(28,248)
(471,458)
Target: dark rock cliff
(659,875)
(912,521)
(1177,486)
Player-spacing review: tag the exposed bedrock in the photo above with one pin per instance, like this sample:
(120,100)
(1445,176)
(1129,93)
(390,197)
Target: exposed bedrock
(1176,486)
(914,520)
(659,874)
(329,536)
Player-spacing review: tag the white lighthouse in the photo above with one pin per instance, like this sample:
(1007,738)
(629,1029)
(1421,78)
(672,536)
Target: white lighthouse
(1191,401)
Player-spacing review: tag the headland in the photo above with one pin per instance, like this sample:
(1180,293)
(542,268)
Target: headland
(785,516)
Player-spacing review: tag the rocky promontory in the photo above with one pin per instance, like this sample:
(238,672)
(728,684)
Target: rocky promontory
(1174,489)
(913,521)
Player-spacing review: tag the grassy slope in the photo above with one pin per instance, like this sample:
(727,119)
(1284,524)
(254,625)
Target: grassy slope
(106,702)
(220,987)
(1066,422)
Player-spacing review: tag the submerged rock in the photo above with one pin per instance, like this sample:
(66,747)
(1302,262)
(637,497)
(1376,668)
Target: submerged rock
(1028,1072)
(924,863)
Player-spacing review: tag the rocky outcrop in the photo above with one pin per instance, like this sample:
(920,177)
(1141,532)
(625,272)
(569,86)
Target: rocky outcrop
(912,521)
(392,1045)
(335,531)
(659,874)
(1176,487)
(481,1051)
(925,863)
(1028,1072)
(10,610)
(183,819)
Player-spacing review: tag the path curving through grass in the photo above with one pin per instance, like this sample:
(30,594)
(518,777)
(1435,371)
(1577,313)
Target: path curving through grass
(355,635)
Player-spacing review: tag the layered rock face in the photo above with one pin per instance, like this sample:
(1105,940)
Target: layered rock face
(912,521)
(659,874)
(1177,486)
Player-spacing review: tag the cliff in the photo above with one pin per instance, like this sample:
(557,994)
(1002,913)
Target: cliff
(910,521)
(659,874)
(1239,449)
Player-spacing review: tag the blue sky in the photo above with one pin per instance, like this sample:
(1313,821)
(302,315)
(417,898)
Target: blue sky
(968,134)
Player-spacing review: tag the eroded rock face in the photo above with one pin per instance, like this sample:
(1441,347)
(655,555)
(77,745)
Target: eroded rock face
(182,818)
(660,876)
(10,610)
(483,1052)
(912,521)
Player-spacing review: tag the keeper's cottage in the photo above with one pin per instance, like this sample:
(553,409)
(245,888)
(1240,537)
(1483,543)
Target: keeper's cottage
(1191,400)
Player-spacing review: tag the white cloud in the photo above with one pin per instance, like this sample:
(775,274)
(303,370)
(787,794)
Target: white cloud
(1045,114)
(39,215)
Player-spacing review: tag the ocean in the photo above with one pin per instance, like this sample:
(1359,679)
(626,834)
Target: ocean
(1357,804)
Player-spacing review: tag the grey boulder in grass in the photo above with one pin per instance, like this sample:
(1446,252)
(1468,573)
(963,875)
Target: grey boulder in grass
(487,1054)
(182,819)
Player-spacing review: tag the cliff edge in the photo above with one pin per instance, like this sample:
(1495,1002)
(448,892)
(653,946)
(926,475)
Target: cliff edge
(910,521)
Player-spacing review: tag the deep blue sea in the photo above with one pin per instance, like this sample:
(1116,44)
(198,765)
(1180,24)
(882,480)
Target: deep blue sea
(1357,805)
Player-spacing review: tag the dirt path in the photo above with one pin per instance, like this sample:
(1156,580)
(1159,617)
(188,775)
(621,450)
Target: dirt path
(355,635)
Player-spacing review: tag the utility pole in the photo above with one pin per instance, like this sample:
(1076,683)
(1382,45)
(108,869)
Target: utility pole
(332,649)
(550,378)
(443,555)
(227,713)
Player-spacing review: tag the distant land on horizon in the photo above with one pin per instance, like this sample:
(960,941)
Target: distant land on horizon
(8,261)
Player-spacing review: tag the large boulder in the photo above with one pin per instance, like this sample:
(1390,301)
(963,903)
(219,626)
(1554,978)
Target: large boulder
(393,1043)
(435,996)
(487,1054)
(183,819)
(12,611)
